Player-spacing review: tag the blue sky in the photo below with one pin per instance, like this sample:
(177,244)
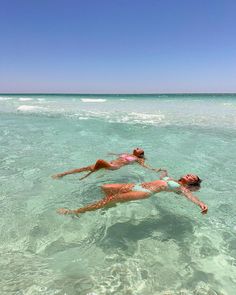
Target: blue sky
(118,46)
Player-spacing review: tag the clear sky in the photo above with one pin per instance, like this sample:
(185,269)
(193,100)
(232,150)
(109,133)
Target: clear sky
(118,46)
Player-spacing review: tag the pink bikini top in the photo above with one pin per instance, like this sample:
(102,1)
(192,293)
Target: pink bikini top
(128,158)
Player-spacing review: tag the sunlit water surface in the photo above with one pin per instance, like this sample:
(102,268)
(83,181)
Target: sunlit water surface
(161,245)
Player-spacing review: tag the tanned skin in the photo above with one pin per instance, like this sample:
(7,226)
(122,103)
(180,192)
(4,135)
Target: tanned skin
(122,159)
(123,192)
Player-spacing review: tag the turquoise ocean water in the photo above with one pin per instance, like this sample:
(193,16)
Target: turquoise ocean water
(162,245)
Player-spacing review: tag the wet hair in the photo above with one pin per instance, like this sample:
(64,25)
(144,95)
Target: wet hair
(197,182)
(193,188)
(140,155)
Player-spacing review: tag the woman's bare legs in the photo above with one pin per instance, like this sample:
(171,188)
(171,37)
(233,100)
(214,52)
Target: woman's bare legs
(100,164)
(116,188)
(113,199)
(59,175)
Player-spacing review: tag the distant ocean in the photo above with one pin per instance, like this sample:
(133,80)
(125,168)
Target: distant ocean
(161,245)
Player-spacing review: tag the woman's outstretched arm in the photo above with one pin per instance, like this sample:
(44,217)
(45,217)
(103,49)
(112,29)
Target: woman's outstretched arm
(142,163)
(105,202)
(194,199)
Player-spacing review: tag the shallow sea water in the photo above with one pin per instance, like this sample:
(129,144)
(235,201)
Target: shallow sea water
(161,245)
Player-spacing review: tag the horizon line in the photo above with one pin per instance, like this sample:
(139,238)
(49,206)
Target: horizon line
(106,93)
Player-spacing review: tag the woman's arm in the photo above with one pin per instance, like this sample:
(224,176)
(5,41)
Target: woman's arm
(194,199)
(142,163)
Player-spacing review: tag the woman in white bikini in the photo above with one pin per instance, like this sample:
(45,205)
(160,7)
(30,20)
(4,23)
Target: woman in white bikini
(124,192)
(123,159)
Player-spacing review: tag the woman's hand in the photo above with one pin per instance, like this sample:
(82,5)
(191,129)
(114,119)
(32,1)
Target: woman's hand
(56,176)
(203,207)
(64,211)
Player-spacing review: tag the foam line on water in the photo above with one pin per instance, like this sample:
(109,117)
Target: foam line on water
(25,99)
(28,108)
(93,100)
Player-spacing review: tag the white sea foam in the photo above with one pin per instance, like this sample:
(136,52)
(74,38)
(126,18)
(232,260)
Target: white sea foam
(228,104)
(145,117)
(83,118)
(124,117)
(27,108)
(159,112)
(93,100)
(25,98)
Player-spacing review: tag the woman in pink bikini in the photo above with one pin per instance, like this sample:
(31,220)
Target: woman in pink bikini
(123,159)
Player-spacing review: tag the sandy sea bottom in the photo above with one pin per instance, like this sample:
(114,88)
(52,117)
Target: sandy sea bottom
(162,245)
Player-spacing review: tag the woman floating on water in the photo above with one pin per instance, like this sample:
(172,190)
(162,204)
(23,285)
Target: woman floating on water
(116,193)
(122,160)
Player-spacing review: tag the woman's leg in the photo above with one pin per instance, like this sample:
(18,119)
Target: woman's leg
(92,168)
(108,200)
(100,164)
(116,188)
(88,168)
